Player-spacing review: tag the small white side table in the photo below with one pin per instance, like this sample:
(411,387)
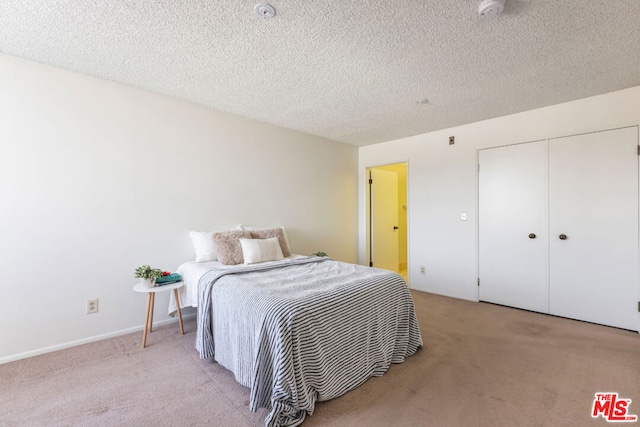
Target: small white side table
(151,292)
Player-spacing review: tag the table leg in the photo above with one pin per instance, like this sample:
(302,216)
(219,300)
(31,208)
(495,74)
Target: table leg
(175,293)
(153,302)
(146,320)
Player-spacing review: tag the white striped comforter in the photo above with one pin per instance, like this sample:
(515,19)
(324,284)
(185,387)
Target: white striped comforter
(305,330)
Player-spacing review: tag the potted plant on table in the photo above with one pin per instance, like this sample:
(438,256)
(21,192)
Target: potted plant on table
(148,275)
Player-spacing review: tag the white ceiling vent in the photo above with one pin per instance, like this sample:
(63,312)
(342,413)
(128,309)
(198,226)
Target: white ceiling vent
(489,8)
(265,10)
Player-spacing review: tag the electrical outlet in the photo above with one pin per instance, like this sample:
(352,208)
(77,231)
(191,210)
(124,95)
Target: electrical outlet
(423,270)
(92,305)
(452,140)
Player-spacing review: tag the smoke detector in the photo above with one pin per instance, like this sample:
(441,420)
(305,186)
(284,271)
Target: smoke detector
(264,10)
(489,8)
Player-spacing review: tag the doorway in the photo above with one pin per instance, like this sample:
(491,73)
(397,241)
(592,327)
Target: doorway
(387,237)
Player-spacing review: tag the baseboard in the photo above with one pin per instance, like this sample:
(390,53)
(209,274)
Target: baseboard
(50,349)
(443,294)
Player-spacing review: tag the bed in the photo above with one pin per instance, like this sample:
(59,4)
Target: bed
(300,329)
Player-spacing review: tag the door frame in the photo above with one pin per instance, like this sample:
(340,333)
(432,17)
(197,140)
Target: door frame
(547,138)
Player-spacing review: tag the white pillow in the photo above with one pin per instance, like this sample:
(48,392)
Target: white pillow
(284,231)
(261,250)
(204,245)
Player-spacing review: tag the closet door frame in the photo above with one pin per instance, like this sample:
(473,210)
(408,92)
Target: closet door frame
(635,298)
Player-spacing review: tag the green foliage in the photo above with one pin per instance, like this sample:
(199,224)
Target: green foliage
(320,254)
(146,272)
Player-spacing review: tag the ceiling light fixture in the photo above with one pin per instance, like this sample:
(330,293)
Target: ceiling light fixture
(490,8)
(264,10)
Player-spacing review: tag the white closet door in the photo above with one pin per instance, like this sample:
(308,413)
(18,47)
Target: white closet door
(513,267)
(593,201)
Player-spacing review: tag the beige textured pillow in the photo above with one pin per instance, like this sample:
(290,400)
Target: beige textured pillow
(228,246)
(272,232)
(261,250)
(284,231)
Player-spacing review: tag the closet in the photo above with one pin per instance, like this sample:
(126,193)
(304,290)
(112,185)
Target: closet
(558,227)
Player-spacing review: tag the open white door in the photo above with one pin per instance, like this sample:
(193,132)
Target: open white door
(384,219)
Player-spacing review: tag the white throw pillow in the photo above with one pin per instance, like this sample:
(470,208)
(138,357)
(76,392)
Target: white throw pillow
(261,250)
(204,245)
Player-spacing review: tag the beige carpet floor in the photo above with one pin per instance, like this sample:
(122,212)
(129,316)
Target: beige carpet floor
(482,365)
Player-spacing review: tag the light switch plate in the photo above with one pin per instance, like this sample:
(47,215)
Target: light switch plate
(463,216)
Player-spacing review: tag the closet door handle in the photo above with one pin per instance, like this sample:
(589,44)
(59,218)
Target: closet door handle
(563,237)
(532,236)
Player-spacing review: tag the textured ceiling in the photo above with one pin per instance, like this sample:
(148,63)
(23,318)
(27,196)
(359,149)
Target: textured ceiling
(346,70)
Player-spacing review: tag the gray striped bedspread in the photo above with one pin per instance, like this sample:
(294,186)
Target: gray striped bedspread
(306,330)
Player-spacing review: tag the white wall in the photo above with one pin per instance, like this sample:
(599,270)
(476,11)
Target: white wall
(97,178)
(443,182)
